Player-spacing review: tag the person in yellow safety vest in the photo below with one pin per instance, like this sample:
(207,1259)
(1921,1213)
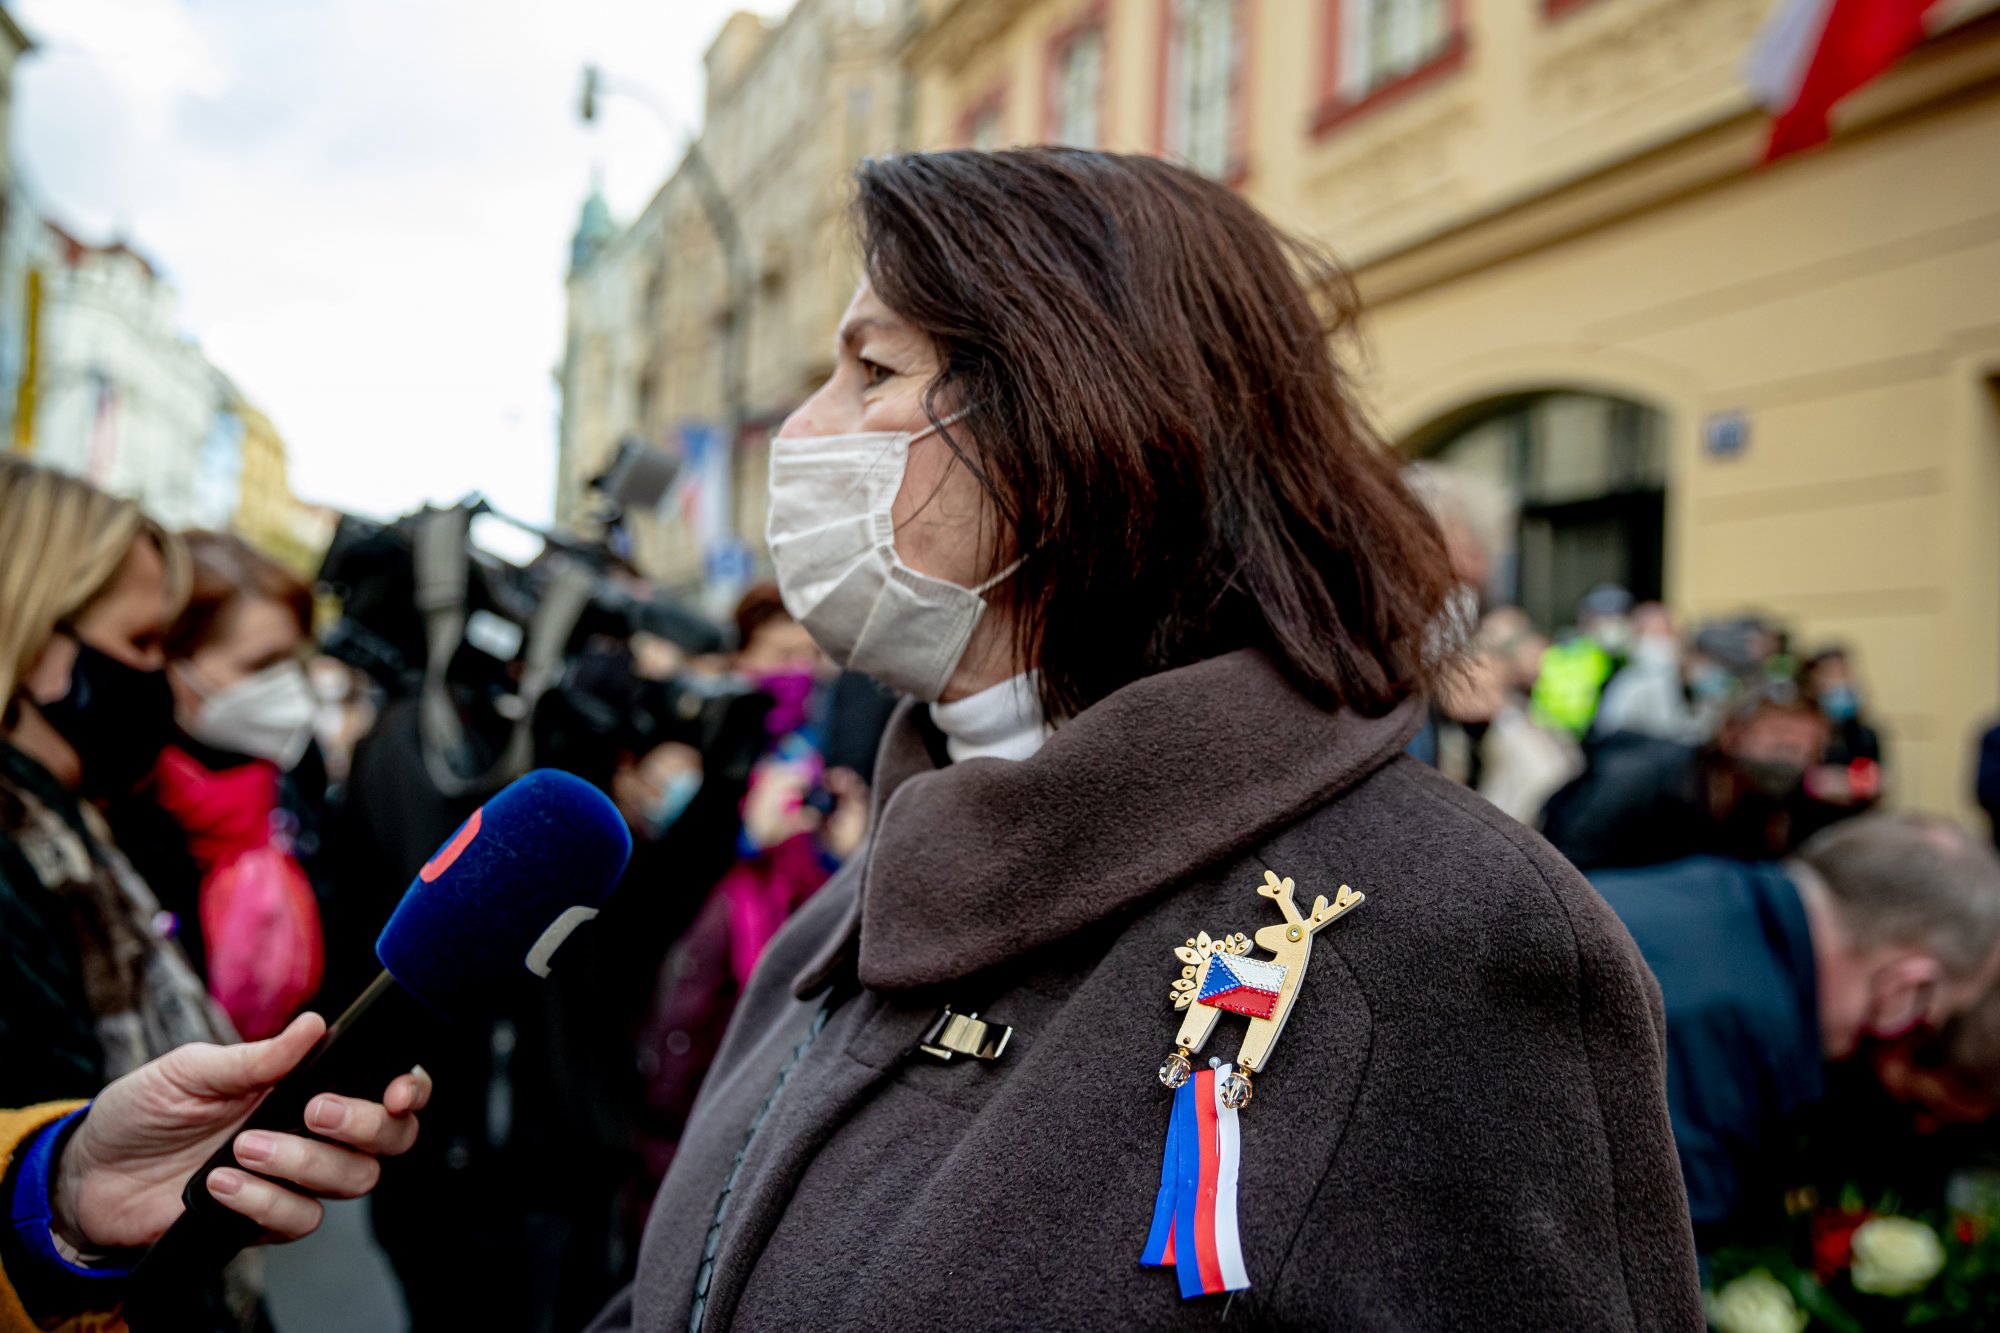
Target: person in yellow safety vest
(1575,669)
(1572,678)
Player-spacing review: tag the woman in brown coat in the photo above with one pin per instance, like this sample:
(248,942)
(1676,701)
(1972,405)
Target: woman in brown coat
(1087,481)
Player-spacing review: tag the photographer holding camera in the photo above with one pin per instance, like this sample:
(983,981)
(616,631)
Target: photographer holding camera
(555,1123)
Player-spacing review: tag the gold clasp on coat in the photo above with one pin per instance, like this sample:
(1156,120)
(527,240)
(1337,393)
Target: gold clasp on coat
(964,1034)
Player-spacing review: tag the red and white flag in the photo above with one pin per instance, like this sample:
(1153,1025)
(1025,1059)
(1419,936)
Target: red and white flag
(1814,52)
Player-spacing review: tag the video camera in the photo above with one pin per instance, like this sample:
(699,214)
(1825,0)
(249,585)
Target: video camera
(371,568)
(515,665)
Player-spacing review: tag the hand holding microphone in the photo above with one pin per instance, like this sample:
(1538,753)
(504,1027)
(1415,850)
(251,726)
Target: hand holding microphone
(487,913)
(118,1183)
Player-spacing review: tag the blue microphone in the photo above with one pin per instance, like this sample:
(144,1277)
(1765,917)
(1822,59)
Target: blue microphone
(498,899)
(487,913)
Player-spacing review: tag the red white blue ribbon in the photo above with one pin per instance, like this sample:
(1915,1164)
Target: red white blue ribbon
(1194,1216)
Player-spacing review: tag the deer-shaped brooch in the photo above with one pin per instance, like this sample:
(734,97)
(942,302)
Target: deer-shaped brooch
(1219,975)
(1195,1217)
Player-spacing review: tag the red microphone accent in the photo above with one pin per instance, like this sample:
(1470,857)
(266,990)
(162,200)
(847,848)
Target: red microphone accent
(450,851)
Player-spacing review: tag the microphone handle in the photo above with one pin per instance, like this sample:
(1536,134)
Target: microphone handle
(391,1024)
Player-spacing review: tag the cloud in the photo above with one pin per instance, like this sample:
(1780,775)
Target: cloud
(365,204)
(153,49)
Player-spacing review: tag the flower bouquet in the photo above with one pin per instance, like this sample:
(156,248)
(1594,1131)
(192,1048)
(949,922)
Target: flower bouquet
(1852,1268)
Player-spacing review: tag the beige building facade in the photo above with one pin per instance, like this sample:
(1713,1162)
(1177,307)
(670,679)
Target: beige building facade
(268,515)
(1743,388)
(792,106)
(1740,388)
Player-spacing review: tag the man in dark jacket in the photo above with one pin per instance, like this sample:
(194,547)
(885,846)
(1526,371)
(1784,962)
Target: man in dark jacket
(1986,779)
(1643,801)
(1880,924)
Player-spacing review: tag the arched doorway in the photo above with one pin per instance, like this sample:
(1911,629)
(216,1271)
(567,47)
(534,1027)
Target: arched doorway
(1586,475)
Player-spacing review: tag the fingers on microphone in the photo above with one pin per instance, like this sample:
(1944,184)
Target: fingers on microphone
(318,1168)
(260,1063)
(366,1125)
(278,1210)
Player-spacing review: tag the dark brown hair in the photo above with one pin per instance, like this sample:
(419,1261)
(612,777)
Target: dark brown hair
(759,606)
(1164,431)
(226,570)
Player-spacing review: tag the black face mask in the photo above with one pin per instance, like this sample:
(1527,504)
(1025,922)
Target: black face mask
(1772,779)
(117,717)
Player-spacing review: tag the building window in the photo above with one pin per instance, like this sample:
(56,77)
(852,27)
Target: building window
(1377,48)
(981,126)
(1584,477)
(1382,40)
(1076,85)
(1203,121)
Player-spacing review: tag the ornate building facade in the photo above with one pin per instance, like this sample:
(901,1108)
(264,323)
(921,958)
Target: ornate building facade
(1740,387)
(741,254)
(1735,386)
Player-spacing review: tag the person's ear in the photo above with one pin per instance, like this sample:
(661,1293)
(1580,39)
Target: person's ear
(1902,993)
(48,675)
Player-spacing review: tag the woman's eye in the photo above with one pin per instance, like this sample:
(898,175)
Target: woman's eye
(873,374)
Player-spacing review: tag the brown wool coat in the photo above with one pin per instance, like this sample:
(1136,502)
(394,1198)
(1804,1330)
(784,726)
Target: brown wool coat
(1464,1126)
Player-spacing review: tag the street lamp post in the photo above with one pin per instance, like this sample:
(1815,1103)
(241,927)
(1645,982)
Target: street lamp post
(728,234)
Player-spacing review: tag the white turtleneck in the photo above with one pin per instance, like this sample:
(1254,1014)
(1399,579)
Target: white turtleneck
(1003,721)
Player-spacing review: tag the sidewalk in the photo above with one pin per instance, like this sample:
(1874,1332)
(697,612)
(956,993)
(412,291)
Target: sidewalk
(335,1280)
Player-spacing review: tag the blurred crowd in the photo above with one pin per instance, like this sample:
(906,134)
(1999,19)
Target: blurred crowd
(1628,739)
(205,819)
(1829,973)
(216,781)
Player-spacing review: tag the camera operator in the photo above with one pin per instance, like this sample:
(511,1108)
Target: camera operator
(529,1173)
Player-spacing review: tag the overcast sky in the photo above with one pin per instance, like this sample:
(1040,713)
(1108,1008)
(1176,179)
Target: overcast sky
(365,204)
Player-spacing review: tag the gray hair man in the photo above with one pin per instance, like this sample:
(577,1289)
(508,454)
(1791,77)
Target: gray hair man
(1769,969)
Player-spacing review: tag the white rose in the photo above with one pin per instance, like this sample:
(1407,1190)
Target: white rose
(1894,1256)
(1755,1303)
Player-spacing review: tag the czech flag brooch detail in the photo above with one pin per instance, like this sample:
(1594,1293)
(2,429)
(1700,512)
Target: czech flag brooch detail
(1194,1217)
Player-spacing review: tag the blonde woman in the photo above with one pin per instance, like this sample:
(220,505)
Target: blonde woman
(90,986)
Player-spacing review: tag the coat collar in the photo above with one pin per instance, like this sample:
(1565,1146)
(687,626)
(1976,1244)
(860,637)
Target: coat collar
(978,863)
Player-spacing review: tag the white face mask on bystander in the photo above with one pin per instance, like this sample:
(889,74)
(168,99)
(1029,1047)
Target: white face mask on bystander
(267,716)
(832,538)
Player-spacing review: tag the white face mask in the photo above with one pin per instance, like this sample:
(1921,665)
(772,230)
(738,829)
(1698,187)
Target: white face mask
(267,716)
(1657,650)
(832,539)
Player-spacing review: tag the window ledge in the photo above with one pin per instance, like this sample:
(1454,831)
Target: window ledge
(1337,111)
